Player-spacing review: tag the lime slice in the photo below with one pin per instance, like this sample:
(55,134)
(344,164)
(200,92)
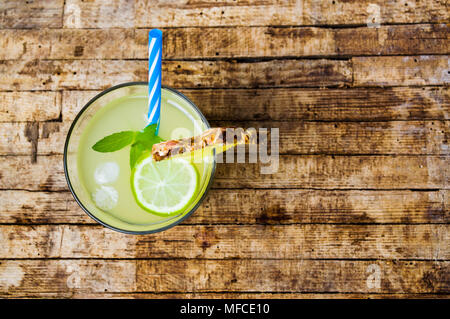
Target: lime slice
(164,188)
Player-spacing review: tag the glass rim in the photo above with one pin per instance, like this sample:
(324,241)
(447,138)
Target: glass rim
(79,202)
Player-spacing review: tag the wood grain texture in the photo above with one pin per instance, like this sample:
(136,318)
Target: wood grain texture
(31,14)
(351,104)
(74,101)
(355,104)
(21,138)
(67,277)
(245,275)
(219,242)
(356,138)
(392,40)
(100,74)
(285,206)
(66,44)
(291,12)
(63,276)
(312,171)
(26,207)
(99,14)
(71,74)
(386,71)
(347,138)
(248,42)
(24,44)
(45,174)
(29,106)
(330,172)
(255,206)
(239,42)
(93,74)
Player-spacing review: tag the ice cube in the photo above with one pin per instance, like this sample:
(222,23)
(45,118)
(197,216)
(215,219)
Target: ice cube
(106,172)
(106,197)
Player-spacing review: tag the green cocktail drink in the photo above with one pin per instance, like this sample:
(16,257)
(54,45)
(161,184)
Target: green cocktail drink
(100,182)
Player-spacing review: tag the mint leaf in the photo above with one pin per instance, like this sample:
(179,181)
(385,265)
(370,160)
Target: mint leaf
(147,136)
(149,130)
(143,144)
(136,152)
(114,142)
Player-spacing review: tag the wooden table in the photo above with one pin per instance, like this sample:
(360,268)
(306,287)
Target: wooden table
(358,207)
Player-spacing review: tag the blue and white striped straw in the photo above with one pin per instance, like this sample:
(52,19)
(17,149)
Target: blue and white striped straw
(154,76)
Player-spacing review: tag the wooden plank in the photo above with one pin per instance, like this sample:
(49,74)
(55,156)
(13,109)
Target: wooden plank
(197,43)
(62,276)
(244,42)
(100,74)
(31,14)
(352,104)
(312,171)
(308,12)
(66,44)
(388,71)
(97,74)
(68,74)
(92,44)
(250,206)
(196,276)
(25,207)
(297,276)
(346,138)
(392,40)
(24,44)
(219,242)
(298,41)
(45,174)
(330,172)
(99,14)
(349,138)
(287,206)
(233,74)
(29,106)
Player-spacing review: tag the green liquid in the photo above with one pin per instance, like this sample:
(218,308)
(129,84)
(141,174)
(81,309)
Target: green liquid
(178,119)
